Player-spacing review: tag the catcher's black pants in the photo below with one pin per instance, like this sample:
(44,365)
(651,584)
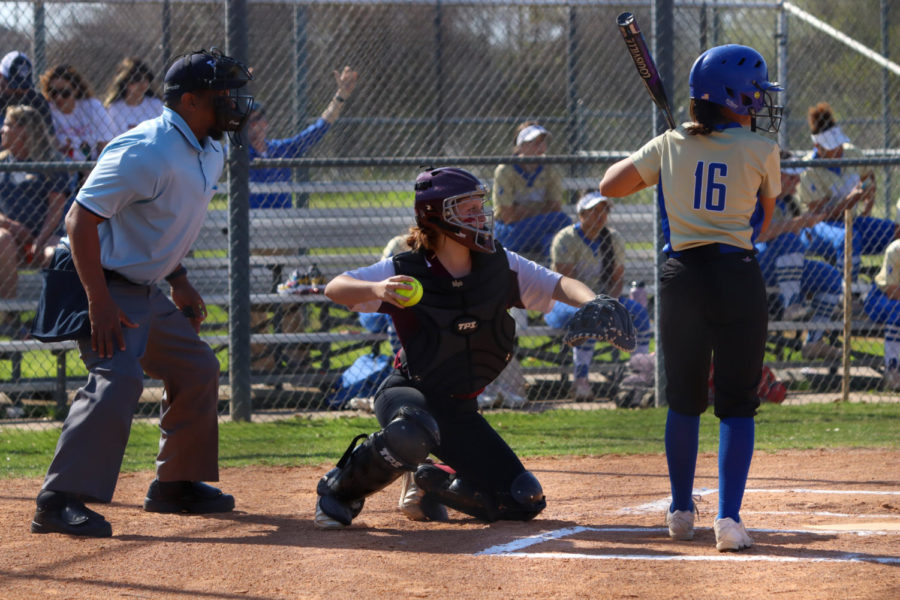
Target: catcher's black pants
(468,443)
(713,303)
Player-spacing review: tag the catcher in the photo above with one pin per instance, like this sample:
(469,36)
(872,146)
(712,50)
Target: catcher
(454,342)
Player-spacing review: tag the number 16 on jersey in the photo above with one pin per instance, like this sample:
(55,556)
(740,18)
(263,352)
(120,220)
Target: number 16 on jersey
(709,194)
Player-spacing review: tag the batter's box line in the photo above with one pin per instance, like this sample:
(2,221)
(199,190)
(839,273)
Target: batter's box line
(663,503)
(515,547)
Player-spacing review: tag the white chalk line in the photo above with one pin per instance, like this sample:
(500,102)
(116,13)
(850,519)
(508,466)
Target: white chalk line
(663,504)
(515,547)
(819,513)
(846,557)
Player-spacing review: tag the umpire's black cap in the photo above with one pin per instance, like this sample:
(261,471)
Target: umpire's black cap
(204,70)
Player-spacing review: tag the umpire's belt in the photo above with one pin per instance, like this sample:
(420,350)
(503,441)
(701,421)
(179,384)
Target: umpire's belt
(709,252)
(118,278)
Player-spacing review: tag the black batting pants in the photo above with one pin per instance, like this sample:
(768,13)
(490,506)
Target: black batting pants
(713,304)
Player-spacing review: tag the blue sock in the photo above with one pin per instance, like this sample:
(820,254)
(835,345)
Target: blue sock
(736,436)
(682,435)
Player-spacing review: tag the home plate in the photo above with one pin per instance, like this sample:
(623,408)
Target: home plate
(871,526)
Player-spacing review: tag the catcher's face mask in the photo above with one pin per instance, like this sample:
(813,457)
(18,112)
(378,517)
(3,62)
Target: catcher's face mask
(453,201)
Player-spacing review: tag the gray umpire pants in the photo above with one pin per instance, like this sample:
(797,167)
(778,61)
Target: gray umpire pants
(165,346)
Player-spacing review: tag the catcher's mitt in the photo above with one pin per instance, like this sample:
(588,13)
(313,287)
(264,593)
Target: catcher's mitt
(602,319)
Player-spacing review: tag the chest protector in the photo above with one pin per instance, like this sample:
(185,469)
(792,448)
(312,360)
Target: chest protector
(461,336)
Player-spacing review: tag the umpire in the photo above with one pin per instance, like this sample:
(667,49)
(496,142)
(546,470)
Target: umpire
(131,225)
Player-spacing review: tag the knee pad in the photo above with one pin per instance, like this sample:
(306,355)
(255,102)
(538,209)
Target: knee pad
(526,490)
(408,439)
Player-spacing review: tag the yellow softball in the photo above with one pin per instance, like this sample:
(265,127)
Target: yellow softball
(412,296)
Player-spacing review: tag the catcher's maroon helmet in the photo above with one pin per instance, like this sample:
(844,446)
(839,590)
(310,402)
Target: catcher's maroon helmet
(439,193)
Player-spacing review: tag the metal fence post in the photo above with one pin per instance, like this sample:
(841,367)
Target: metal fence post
(437,138)
(165,42)
(886,101)
(238,238)
(781,58)
(39,37)
(301,98)
(575,132)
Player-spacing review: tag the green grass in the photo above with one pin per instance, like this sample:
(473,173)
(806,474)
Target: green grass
(346,200)
(313,441)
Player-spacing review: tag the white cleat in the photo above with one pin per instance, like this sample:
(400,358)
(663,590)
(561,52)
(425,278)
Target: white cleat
(415,505)
(681,523)
(323,521)
(410,498)
(731,536)
(487,401)
(583,390)
(795,312)
(510,400)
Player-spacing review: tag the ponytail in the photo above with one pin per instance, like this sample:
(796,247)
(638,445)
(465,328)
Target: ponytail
(706,116)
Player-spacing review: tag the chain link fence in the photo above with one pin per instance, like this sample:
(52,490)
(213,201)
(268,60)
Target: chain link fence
(440,82)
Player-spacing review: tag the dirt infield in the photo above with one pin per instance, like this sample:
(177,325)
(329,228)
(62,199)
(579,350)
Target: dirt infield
(826,524)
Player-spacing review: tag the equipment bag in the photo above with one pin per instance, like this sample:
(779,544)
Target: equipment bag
(361,379)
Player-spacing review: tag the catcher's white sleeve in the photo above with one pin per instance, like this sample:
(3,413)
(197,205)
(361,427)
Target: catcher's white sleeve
(536,282)
(379,271)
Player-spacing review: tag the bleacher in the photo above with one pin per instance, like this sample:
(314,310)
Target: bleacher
(334,239)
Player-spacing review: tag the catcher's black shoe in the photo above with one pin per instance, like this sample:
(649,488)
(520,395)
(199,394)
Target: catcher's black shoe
(186,497)
(59,512)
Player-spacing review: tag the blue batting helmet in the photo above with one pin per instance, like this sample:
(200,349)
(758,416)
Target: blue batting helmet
(736,77)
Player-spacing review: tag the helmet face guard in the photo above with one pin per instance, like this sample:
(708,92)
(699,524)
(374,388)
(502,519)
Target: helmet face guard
(769,114)
(471,229)
(232,110)
(453,201)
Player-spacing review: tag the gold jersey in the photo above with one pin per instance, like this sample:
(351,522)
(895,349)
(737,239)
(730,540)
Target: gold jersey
(539,189)
(833,183)
(710,183)
(890,269)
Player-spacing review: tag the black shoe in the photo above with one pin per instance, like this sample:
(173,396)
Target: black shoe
(59,512)
(186,497)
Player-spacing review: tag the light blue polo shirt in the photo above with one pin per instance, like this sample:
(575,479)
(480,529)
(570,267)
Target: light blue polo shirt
(153,185)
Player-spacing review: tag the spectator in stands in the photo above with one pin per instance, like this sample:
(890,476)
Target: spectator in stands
(528,198)
(780,253)
(130,99)
(293,319)
(292,147)
(594,253)
(83,126)
(17,87)
(31,202)
(527,201)
(830,191)
(882,304)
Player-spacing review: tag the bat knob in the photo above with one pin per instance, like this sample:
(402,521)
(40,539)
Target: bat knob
(625,19)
